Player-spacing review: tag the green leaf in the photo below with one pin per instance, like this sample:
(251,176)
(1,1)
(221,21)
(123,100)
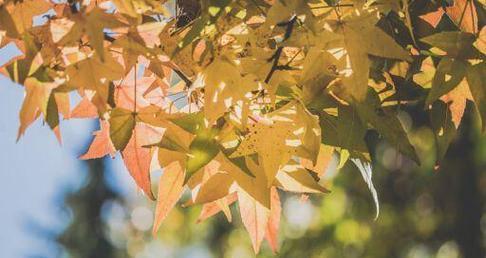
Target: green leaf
(443,128)
(168,143)
(192,35)
(455,43)
(191,122)
(122,122)
(386,124)
(476,78)
(345,130)
(52,114)
(201,151)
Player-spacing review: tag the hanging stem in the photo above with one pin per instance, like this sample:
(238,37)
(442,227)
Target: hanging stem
(135,89)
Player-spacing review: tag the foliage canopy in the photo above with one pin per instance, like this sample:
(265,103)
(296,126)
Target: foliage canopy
(240,99)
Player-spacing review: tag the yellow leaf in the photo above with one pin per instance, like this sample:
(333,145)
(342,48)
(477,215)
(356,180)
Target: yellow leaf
(295,178)
(269,141)
(171,186)
(362,38)
(223,87)
(255,218)
(23,13)
(480,43)
(35,103)
(93,24)
(216,187)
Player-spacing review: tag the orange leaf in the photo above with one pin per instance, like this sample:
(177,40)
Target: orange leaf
(456,100)
(84,109)
(271,232)
(101,145)
(213,208)
(63,104)
(255,218)
(124,92)
(463,13)
(171,185)
(137,159)
(433,18)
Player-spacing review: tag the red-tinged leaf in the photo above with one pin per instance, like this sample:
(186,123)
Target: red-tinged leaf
(137,159)
(101,144)
(464,14)
(84,109)
(124,91)
(433,18)
(171,186)
(255,218)
(456,100)
(213,208)
(271,232)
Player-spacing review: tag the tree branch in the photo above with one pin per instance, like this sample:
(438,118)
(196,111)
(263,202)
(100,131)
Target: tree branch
(278,52)
(183,77)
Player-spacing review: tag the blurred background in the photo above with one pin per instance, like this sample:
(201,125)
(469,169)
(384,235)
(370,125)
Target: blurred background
(54,205)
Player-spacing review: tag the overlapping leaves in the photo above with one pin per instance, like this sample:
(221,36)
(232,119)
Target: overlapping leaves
(251,97)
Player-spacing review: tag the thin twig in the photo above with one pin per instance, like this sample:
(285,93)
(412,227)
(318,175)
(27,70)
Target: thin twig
(463,13)
(183,77)
(278,52)
(135,90)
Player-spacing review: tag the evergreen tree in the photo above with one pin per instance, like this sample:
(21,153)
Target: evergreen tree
(85,235)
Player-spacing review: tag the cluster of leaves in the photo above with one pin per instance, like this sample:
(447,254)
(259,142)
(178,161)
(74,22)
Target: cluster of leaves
(245,98)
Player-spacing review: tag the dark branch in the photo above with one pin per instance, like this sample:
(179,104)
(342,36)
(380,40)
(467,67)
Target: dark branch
(278,52)
(183,77)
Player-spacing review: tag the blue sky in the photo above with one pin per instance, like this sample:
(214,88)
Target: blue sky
(35,171)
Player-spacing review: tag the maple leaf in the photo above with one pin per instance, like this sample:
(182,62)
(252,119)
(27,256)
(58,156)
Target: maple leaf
(35,103)
(361,38)
(137,158)
(224,87)
(269,142)
(475,75)
(210,209)
(101,144)
(93,25)
(92,74)
(294,178)
(255,218)
(125,93)
(84,109)
(216,187)
(480,43)
(22,14)
(456,100)
(170,190)
(273,224)
(122,122)
(463,13)
(249,97)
